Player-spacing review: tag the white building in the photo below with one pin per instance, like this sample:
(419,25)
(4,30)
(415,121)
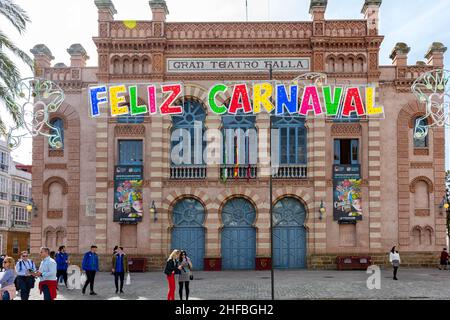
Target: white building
(15,196)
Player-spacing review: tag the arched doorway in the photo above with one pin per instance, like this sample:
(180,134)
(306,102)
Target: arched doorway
(289,234)
(238,235)
(188,233)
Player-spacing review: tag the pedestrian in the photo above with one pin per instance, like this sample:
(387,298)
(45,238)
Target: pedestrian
(25,279)
(170,270)
(184,276)
(62,263)
(2,257)
(119,268)
(114,252)
(8,289)
(47,274)
(90,266)
(394,259)
(444,259)
(52,255)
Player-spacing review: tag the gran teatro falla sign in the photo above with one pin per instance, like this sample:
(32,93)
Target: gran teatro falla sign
(214,65)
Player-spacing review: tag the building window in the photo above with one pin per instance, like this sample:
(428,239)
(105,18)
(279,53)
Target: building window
(130,119)
(130,152)
(1,244)
(4,161)
(240,146)
(346,151)
(58,131)
(3,217)
(4,188)
(190,125)
(291,139)
(423,142)
(20,191)
(21,217)
(15,246)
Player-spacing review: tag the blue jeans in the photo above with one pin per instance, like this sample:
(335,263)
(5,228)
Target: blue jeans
(6,295)
(25,284)
(46,292)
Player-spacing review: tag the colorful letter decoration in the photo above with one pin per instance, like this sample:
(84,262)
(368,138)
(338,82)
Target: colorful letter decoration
(135,109)
(283,99)
(261,95)
(116,100)
(151,92)
(332,103)
(212,98)
(96,100)
(370,102)
(353,102)
(175,92)
(240,99)
(309,94)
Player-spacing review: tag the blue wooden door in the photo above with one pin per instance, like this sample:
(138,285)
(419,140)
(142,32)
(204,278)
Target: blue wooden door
(188,233)
(238,235)
(289,234)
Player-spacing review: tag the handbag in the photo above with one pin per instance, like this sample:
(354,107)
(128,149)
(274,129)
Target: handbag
(191,277)
(83,279)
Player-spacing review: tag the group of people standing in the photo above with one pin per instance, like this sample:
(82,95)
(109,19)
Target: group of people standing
(21,276)
(178,266)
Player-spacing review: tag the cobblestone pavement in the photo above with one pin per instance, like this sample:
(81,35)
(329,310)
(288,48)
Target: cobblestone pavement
(292,284)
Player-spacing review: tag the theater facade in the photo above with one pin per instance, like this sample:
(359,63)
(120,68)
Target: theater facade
(343,187)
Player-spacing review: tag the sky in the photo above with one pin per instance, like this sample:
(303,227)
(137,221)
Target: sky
(60,23)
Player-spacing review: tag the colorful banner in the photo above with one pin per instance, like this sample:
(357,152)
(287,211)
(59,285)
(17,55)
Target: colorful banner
(347,207)
(128,205)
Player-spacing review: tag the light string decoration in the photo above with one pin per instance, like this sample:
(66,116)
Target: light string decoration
(38,99)
(433,89)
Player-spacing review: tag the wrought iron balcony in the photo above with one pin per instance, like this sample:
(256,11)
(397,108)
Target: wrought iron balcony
(3,196)
(3,223)
(291,172)
(19,198)
(21,224)
(239,172)
(4,167)
(188,172)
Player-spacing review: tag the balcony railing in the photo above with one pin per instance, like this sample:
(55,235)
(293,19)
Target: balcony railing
(19,198)
(4,167)
(3,223)
(291,172)
(3,196)
(188,173)
(239,172)
(21,224)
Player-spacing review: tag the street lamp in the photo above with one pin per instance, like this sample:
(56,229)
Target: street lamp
(322,210)
(153,211)
(31,207)
(444,204)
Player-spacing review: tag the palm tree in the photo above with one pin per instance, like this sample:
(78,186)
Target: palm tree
(9,73)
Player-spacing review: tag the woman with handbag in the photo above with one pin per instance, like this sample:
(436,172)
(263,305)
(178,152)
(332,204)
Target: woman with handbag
(394,259)
(7,286)
(171,268)
(185,274)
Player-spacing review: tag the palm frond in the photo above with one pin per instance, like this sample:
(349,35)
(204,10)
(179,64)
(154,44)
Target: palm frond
(5,42)
(15,14)
(12,107)
(9,73)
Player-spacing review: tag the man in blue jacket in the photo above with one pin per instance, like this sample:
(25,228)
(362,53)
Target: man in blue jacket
(62,263)
(90,266)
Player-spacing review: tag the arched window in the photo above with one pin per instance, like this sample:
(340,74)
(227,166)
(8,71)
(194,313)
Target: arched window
(57,130)
(126,66)
(145,66)
(420,142)
(291,139)
(187,143)
(239,136)
(116,66)
(136,66)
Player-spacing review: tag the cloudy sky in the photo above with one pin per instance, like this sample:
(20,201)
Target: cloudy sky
(59,23)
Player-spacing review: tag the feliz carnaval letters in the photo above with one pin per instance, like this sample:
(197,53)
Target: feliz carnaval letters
(278,98)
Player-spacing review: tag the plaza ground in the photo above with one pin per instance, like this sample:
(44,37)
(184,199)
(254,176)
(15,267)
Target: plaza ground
(289,284)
